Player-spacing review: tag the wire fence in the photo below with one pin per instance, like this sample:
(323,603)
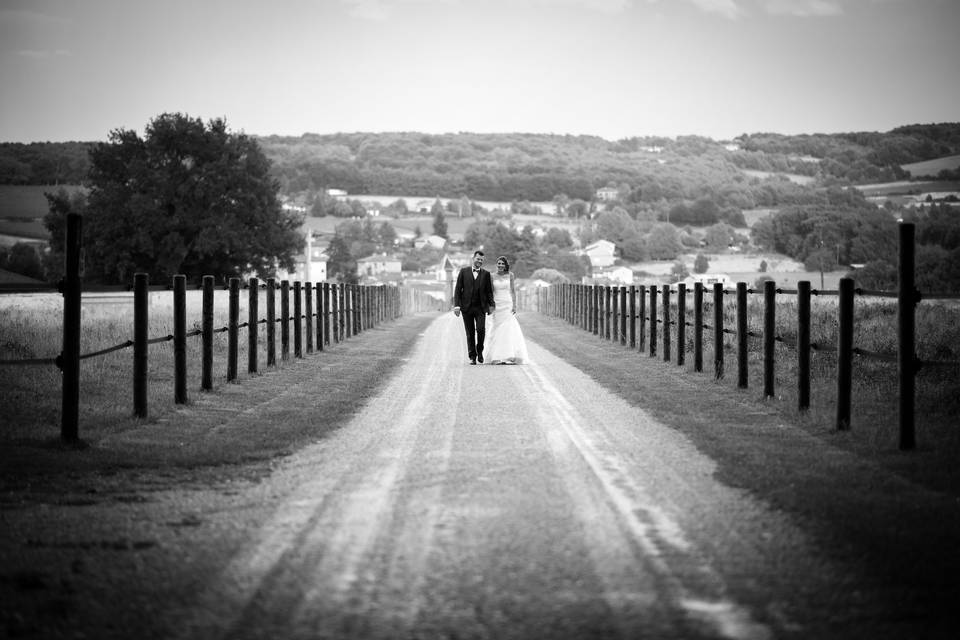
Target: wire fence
(651,317)
(317,314)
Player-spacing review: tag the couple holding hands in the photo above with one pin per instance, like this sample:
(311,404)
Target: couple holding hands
(479,293)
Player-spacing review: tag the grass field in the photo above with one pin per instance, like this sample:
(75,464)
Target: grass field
(31,328)
(27,202)
(22,208)
(932,167)
(908,187)
(792,177)
(456,226)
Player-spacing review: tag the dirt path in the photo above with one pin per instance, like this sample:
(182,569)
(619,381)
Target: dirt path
(462,501)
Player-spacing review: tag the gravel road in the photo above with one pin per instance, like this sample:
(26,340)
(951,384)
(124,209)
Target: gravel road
(461,502)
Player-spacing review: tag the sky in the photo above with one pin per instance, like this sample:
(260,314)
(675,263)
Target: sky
(77,70)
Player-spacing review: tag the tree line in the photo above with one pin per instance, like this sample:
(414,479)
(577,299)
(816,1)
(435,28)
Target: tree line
(192,196)
(844,230)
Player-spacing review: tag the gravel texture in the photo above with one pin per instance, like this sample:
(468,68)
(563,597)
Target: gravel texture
(462,501)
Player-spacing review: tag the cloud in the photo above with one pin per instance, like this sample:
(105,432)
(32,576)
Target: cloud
(376,10)
(603,6)
(803,8)
(726,8)
(43,54)
(380,10)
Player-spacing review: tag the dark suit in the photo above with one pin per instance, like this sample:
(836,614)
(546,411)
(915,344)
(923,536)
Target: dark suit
(474,296)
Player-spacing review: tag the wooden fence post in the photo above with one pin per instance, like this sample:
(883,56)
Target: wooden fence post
(358,298)
(583,306)
(606,312)
(141,328)
(681,323)
(633,316)
(698,326)
(769,337)
(844,353)
(271,322)
(284,320)
(335,317)
(253,324)
(308,316)
(327,318)
(320,320)
(233,327)
(179,339)
(595,312)
(206,335)
(623,315)
(803,345)
(653,320)
(69,361)
(642,315)
(742,338)
(352,307)
(667,343)
(344,311)
(906,334)
(297,320)
(718,331)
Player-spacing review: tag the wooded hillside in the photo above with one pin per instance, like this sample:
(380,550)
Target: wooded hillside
(539,167)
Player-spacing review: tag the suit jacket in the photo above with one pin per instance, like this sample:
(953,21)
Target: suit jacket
(473,294)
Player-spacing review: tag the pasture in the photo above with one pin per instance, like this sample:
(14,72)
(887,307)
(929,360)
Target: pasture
(22,208)
(31,328)
(908,187)
(792,177)
(456,226)
(932,167)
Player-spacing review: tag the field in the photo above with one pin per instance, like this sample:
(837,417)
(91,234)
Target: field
(907,187)
(932,167)
(792,177)
(22,209)
(30,327)
(456,226)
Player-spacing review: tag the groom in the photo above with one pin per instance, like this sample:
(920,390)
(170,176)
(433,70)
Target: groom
(473,299)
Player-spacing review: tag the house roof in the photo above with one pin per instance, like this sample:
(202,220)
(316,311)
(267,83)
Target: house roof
(380,258)
(600,244)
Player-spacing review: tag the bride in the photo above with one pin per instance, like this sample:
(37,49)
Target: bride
(507,345)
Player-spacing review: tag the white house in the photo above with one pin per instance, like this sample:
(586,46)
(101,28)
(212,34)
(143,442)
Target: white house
(613,275)
(608,193)
(601,254)
(377,265)
(432,241)
(707,280)
(310,266)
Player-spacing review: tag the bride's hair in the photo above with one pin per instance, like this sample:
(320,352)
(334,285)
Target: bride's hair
(506,264)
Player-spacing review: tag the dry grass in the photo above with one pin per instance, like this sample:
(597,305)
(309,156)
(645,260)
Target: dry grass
(875,430)
(890,516)
(30,422)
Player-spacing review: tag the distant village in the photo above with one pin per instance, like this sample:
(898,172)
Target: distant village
(386,268)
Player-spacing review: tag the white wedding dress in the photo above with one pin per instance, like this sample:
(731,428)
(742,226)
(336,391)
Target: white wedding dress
(505,340)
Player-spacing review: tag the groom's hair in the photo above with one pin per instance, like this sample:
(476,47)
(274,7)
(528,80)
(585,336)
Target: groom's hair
(478,252)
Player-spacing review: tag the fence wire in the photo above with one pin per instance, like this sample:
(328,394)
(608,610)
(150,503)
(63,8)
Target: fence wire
(815,346)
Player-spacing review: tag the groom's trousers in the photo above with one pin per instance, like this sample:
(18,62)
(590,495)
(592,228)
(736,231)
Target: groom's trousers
(474,323)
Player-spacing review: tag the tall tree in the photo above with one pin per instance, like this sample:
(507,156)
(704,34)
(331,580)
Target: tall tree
(439,221)
(187,198)
(341,265)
